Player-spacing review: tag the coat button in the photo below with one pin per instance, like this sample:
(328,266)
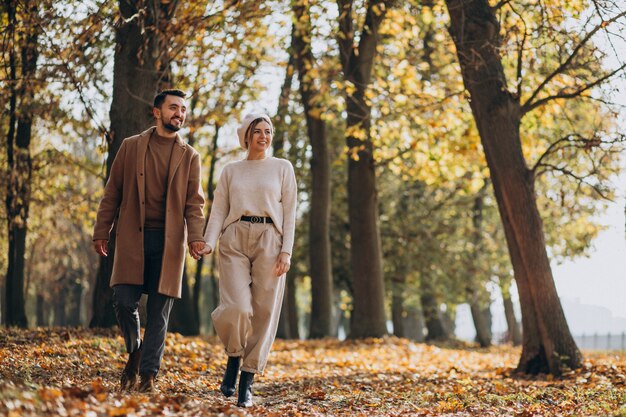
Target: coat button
(141,174)
(140,229)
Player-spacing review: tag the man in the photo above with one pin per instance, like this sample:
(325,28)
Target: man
(154,197)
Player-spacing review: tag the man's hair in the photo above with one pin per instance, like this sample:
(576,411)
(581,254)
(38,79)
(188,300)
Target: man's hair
(160,98)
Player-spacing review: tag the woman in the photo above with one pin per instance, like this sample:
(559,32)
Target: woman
(254,210)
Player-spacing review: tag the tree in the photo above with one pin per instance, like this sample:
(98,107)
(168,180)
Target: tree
(218,66)
(357,61)
(320,198)
(477,307)
(288,321)
(547,342)
(141,56)
(24,30)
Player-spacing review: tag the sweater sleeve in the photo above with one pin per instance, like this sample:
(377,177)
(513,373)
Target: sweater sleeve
(219,209)
(289,198)
(112,197)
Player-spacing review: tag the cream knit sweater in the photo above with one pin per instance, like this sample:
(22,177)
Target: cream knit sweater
(265,187)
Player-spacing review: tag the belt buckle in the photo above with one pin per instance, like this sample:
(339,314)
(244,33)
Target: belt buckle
(256,219)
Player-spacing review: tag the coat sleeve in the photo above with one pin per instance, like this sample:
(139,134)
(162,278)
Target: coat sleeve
(112,197)
(194,204)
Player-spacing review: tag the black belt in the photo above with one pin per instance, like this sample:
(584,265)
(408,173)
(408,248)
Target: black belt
(256,219)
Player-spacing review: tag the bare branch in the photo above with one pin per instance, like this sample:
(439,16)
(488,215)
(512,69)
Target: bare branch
(501,4)
(520,50)
(573,141)
(581,179)
(529,104)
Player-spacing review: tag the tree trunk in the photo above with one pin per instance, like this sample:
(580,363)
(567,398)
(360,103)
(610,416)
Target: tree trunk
(18,155)
(140,57)
(288,323)
(197,287)
(481,324)
(414,324)
(368,315)
(284,330)
(182,319)
(474,285)
(40,306)
(398,313)
(294,329)
(319,216)
(59,307)
(514,333)
(75,288)
(278,142)
(548,344)
(436,329)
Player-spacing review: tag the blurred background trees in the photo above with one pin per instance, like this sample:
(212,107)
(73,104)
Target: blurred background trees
(393,125)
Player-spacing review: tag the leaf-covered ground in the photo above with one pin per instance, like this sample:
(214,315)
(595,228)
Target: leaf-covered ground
(71,372)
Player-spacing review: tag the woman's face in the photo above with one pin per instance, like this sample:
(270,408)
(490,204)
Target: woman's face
(260,137)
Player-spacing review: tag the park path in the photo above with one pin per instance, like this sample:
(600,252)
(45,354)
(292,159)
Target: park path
(74,372)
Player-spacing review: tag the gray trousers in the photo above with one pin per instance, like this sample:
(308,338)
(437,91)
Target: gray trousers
(126,305)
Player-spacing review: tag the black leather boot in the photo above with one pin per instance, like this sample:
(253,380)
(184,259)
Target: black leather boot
(230,376)
(245,389)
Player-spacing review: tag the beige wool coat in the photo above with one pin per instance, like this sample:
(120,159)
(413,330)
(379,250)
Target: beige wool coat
(125,190)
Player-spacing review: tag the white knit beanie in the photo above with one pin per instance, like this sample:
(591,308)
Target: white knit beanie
(245,123)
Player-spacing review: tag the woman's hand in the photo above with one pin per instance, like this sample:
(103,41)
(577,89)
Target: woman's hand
(282,264)
(205,250)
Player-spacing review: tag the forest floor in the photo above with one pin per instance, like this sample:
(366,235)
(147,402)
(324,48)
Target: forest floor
(75,372)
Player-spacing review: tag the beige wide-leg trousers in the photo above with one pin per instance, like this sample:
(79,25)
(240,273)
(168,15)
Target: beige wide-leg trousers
(250,293)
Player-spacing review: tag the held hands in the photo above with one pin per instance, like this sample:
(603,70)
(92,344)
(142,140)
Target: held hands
(196,249)
(100,245)
(206,250)
(282,264)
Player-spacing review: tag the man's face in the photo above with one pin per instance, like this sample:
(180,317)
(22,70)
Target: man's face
(171,114)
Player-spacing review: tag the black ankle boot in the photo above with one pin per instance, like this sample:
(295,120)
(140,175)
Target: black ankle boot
(230,376)
(245,389)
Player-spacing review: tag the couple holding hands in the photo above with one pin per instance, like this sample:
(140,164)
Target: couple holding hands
(153,203)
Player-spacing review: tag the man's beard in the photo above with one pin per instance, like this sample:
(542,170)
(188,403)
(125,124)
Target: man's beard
(171,127)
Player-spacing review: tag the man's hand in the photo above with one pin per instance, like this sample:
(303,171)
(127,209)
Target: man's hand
(100,245)
(195,249)
(282,264)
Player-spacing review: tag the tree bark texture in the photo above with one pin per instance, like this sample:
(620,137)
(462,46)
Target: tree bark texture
(548,345)
(18,194)
(139,61)
(368,316)
(319,216)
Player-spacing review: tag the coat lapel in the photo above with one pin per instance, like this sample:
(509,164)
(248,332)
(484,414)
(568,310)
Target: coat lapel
(178,151)
(142,148)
